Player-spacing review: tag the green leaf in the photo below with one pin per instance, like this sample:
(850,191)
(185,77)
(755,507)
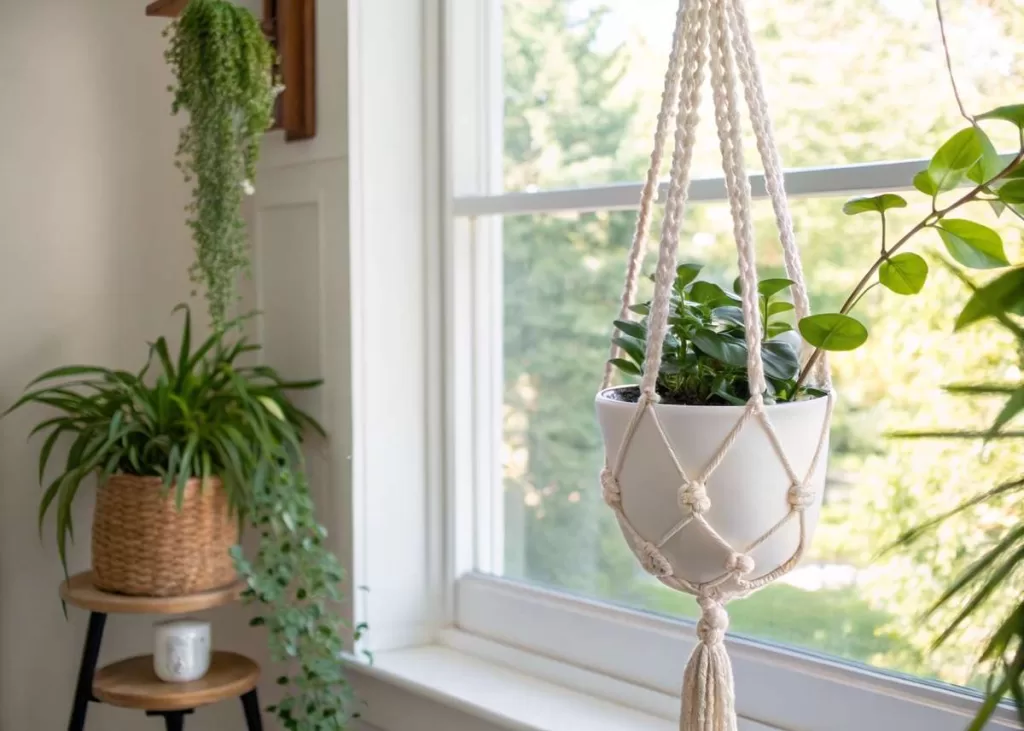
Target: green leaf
(1006,294)
(924,183)
(834,332)
(955,158)
(632,347)
(1014,406)
(633,329)
(686,273)
(710,294)
(626,366)
(768,288)
(1011,192)
(990,165)
(186,344)
(641,309)
(878,204)
(780,360)
(972,244)
(777,328)
(777,308)
(730,314)
(724,348)
(904,273)
(272,406)
(1002,295)
(1013,113)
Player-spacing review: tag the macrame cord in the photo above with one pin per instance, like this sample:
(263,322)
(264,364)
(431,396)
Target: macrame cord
(714,35)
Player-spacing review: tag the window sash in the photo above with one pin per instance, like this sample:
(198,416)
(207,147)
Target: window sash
(777,685)
(860,179)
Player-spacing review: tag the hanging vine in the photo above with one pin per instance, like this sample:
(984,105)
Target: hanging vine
(222,63)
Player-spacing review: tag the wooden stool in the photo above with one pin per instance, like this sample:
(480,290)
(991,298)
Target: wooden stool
(132,683)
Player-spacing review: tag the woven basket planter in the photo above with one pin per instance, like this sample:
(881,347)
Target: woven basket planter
(142,545)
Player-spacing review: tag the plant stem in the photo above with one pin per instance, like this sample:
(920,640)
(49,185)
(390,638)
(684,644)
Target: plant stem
(949,63)
(930,220)
(866,290)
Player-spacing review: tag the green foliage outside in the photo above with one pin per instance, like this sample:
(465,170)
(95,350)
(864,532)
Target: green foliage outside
(580,104)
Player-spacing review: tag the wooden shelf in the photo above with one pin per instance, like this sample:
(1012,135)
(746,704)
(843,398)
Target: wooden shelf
(133,683)
(80,591)
(166,8)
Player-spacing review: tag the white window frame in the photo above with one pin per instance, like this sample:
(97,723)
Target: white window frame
(528,627)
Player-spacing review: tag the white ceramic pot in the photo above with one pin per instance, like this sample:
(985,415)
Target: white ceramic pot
(182,649)
(749,492)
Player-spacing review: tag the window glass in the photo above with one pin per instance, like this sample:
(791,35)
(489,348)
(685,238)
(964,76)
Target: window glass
(848,81)
(562,276)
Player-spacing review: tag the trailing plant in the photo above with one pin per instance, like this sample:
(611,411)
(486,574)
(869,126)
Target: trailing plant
(1002,658)
(705,353)
(296,579)
(200,413)
(222,64)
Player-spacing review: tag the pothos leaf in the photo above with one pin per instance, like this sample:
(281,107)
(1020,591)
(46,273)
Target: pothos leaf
(955,158)
(904,273)
(972,244)
(833,331)
(877,204)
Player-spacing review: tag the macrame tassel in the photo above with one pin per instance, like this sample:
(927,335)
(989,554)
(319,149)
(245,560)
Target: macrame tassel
(708,694)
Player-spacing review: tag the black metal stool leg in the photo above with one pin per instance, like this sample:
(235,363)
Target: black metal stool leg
(173,720)
(90,657)
(251,705)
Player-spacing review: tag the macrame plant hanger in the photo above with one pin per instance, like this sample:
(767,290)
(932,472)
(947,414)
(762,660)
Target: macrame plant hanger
(713,35)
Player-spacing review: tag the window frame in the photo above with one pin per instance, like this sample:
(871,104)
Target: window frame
(781,687)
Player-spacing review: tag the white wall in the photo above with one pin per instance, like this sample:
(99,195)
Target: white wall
(95,255)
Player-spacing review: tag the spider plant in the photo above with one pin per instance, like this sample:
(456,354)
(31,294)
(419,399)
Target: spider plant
(198,413)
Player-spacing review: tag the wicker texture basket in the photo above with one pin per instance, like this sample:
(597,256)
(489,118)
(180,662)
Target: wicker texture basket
(142,545)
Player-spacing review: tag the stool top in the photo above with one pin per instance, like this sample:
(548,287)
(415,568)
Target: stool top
(80,591)
(133,683)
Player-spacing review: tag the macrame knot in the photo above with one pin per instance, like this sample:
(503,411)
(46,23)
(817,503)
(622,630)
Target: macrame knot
(693,497)
(740,563)
(714,621)
(610,488)
(650,396)
(801,497)
(653,561)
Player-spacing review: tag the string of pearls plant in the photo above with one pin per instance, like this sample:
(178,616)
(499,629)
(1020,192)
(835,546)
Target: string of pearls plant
(223,66)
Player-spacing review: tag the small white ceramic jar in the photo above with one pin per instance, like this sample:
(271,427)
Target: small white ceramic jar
(181,651)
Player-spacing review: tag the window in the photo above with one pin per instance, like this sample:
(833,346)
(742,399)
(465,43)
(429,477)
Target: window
(554,105)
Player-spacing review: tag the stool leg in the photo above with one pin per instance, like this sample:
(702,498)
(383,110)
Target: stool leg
(174,721)
(86,670)
(251,706)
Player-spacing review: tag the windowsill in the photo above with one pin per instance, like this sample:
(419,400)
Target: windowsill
(509,699)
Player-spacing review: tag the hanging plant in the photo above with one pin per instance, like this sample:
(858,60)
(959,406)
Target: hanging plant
(222,63)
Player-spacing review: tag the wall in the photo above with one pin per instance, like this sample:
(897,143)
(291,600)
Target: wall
(95,255)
